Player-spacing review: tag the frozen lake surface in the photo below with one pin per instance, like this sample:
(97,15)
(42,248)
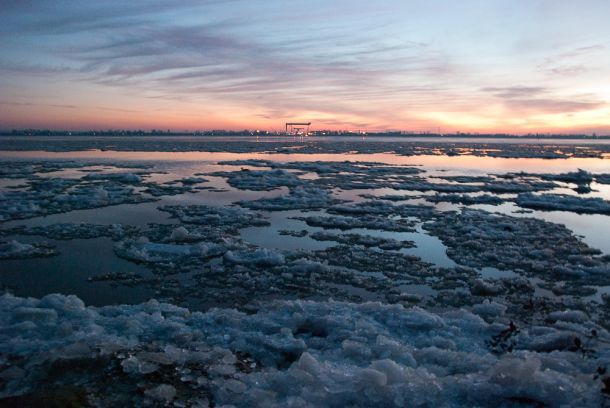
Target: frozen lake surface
(400,272)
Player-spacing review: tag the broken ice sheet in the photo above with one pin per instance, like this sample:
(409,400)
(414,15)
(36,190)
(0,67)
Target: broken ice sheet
(563,202)
(523,333)
(325,353)
(533,246)
(18,250)
(365,240)
(299,198)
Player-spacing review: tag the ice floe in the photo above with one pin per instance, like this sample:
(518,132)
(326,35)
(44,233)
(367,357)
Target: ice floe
(529,336)
(564,202)
(66,231)
(299,198)
(62,195)
(18,250)
(466,199)
(367,221)
(478,238)
(256,257)
(128,178)
(384,208)
(364,240)
(296,353)
(399,146)
(229,218)
(142,250)
(259,180)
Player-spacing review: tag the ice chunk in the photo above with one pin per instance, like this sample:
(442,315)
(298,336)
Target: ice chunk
(259,257)
(133,365)
(489,309)
(573,316)
(159,252)
(563,202)
(349,354)
(370,377)
(260,180)
(16,250)
(164,393)
(129,178)
(300,198)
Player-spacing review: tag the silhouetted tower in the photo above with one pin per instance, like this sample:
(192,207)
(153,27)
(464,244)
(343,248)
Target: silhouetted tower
(297,128)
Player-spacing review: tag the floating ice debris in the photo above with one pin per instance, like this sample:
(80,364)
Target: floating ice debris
(465,199)
(423,185)
(489,309)
(381,207)
(548,150)
(581,178)
(65,231)
(418,183)
(13,206)
(478,238)
(313,353)
(27,169)
(55,196)
(521,187)
(371,175)
(181,234)
(52,185)
(125,278)
(364,240)
(467,179)
(259,180)
(393,265)
(572,316)
(158,190)
(164,393)
(18,250)
(143,251)
(229,218)
(367,221)
(257,257)
(328,167)
(293,233)
(481,287)
(345,175)
(576,177)
(128,178)
(563,202)
(299,198)
(96,196)
(393,197)
(193,180)
(602,178)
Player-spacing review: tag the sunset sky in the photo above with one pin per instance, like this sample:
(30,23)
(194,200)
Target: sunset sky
(470,65)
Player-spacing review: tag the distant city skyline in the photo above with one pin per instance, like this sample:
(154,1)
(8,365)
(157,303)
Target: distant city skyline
(539,66)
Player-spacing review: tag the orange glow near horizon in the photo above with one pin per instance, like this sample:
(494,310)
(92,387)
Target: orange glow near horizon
(520,67)
(96,118)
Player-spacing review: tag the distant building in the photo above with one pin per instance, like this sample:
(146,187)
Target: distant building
(297,128)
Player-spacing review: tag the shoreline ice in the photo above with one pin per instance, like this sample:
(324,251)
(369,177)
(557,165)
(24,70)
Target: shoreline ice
(300,352)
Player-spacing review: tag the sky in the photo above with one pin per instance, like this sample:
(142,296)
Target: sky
(517,66)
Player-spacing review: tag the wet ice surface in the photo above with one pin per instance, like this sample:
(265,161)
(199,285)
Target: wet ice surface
(299,353)
(489,276)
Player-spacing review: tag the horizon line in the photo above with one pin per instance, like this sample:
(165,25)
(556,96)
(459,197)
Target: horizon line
(255,132)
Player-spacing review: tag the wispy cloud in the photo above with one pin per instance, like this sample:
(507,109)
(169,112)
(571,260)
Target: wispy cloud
(511,92)
(552,106)
(571,62)
(540,100)
(365,65)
